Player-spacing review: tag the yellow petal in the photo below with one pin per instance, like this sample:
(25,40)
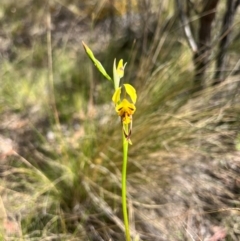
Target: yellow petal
(116,95)
(127,120)
(120,68)
(131,92)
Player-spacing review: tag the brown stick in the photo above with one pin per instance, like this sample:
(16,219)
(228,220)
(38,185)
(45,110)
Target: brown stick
(201,58)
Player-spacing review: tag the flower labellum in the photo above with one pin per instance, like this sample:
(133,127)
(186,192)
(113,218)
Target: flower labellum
(125,110)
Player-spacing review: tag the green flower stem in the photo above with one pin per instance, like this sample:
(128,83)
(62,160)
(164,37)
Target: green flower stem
(124,186)
(126,109)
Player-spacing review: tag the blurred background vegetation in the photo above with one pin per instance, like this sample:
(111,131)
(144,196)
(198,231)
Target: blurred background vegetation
(60,140)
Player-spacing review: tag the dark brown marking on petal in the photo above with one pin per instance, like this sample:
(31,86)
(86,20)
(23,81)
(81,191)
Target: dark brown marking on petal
(127,136)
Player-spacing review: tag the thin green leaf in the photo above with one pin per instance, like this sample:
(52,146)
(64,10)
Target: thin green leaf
(96,62)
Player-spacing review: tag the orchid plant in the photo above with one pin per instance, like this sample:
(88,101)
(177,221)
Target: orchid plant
(124,99)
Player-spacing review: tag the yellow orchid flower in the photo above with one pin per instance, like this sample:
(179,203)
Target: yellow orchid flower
(124,108)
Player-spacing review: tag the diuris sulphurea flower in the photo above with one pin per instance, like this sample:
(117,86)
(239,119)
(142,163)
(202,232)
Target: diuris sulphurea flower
(124,108)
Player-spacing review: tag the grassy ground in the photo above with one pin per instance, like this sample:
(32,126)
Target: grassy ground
(60,141)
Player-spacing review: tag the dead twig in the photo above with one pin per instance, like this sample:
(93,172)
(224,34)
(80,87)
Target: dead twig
(231,8)
(201,58)
(186,27)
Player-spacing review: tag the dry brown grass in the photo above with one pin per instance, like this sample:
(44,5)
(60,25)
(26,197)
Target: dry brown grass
(64,183)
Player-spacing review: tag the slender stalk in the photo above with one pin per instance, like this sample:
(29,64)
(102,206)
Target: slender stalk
(3,217)
(50,70)
(124,187)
